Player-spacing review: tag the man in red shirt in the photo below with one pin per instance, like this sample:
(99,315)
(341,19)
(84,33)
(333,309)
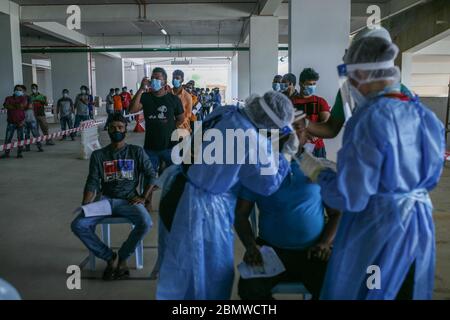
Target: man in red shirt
(315,107)
(16,105)
(126,100)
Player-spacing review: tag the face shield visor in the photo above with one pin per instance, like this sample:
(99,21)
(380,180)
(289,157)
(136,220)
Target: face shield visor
(376,71)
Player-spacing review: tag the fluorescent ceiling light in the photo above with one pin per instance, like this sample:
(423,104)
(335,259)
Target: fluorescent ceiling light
(164,32)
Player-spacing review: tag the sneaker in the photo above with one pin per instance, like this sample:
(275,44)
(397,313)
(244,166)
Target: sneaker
(49,143)
(19,156)
(40,149)
(108,274)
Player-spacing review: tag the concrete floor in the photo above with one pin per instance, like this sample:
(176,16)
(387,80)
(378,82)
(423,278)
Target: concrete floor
(38,194)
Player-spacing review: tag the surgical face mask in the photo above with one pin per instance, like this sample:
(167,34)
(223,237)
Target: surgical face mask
(83,91)
(117,136)
(176,83)
(18,93)
(283,86)
(276,86)
(65,95)
(155,84)
(34,90)
(309,90)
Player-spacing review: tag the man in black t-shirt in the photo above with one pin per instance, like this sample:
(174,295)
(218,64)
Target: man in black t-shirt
(162,112)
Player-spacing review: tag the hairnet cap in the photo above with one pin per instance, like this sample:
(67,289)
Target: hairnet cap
(375,56)
(280,105)
(379,32)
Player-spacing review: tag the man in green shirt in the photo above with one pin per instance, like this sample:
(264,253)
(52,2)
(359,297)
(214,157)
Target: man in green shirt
(331,128)
(39,102)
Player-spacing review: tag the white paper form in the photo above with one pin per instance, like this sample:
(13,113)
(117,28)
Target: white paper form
(272,266)
(95,209)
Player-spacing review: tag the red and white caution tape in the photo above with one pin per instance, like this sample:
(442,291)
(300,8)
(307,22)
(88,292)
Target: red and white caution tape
(83,126)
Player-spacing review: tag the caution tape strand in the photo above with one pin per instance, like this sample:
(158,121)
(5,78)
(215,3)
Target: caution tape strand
(83,126)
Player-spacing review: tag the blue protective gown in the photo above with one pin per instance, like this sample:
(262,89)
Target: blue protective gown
(392,155)
(198,260)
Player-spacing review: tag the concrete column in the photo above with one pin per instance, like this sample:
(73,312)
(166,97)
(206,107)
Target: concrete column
(243,75)
(28,71)
(108,74)
(234,77)
(69,71)
(44,81)
(263,53)
(10,54)
(321,48)
(407,65)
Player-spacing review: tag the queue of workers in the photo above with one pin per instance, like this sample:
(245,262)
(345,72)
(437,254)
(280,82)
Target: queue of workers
(329,224)
(26,115)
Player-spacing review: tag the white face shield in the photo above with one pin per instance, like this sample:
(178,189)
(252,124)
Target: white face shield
(351,96)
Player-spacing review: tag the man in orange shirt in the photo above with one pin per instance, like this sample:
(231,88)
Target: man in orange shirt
(185,97)
(118,107)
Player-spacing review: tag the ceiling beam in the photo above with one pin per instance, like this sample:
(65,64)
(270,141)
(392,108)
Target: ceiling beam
(162,41)
(122,12)
(61,32)
(269,7)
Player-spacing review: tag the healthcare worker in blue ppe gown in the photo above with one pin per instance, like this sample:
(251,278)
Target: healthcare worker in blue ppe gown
(392,156)
(198,261)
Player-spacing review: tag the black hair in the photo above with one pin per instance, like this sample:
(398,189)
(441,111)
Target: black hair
(160,70)
(291,78)
(111,90)
(65,91)
(124,88)
(118,117)
(116,89)
(34,85)
(309,74)
(178,73)
(21,86)
(277,78)
(83,87)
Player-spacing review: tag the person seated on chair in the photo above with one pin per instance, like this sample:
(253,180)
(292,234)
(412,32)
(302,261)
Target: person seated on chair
(114,171)
(292,222)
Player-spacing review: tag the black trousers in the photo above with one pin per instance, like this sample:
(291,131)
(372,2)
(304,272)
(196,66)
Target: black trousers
(299,268)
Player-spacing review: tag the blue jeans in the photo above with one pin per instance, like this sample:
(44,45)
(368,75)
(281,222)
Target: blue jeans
(110,113)
(156,157)
(11,127)
(84,228)
(66,122)
(79,119)
(31,127)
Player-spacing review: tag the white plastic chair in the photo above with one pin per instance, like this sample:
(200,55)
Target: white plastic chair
(106,237)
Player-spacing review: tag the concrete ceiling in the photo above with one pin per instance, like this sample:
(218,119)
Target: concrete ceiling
(117,23)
